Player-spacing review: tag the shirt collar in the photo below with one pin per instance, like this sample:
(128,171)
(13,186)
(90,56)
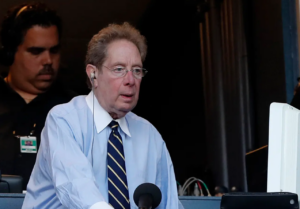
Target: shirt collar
(101,117)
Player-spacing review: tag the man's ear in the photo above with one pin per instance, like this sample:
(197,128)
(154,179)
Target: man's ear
(92,73)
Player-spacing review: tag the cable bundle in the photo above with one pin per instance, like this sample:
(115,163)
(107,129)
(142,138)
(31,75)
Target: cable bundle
(189,181)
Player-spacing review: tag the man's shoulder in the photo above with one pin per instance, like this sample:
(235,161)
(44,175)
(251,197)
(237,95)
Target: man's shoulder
(5,90)
(132,117)
(140,127)
(137,121)
(70,108)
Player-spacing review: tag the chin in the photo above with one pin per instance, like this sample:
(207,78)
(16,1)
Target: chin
(43,88)
(125,110)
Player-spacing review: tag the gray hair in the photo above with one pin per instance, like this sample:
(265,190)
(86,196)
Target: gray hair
(97,47)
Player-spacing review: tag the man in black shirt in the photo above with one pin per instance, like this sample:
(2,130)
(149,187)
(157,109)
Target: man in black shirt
(30,37)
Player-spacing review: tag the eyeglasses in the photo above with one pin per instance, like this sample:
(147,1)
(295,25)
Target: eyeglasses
(122,71)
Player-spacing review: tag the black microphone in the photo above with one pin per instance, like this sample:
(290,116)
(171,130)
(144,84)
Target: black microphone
(147,196)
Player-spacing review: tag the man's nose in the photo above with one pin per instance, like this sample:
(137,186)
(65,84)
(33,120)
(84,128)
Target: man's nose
(129,79)
(47,58)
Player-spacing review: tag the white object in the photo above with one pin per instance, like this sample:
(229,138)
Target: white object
(180,191)
(284,149)
(196,190)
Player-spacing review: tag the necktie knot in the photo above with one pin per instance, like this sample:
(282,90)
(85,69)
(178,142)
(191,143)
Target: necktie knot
(113,125)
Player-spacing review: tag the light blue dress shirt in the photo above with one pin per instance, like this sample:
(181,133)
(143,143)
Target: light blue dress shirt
(71,167)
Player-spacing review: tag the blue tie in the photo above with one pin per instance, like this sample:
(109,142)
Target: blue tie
(116,172)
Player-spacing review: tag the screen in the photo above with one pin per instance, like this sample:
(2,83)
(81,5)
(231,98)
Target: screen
(276,200)
(284,149)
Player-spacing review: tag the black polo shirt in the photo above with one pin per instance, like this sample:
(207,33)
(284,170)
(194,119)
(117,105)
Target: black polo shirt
(17,118)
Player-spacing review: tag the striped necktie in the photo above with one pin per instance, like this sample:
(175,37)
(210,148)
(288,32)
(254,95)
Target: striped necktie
(116,172)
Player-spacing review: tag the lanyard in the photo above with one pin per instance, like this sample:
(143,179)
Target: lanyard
(30,134)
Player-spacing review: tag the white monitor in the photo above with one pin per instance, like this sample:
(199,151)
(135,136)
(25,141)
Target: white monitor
(284,149)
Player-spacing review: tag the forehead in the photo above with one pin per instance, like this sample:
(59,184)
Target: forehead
(38,36)
(123,51)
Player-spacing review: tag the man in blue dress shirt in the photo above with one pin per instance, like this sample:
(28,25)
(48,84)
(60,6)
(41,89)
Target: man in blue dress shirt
(74,167)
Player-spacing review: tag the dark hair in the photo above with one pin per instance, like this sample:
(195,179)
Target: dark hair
(221,189)
(97,48)
(16,23)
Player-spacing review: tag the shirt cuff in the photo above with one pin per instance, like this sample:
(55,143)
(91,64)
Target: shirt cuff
(101,205)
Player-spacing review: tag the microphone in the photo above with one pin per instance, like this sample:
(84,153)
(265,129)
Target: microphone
(147,196)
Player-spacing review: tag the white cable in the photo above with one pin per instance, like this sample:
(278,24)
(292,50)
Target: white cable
(93,124)
(189,181)
(183,186)
(189,184)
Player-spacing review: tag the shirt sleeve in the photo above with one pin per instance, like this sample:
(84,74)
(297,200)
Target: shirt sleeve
(168,182)
(68,167)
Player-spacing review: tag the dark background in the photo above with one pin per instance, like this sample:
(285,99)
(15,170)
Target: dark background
(172,94)
(266,60)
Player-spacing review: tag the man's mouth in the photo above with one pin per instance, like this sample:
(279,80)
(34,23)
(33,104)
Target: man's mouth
(47,73)
(126,96)
(47,70)
(45,76)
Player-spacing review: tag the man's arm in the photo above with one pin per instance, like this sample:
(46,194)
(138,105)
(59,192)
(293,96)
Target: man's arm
(68,167)
(168,182)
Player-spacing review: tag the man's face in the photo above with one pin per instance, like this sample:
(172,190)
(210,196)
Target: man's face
(119,95)
(36,60)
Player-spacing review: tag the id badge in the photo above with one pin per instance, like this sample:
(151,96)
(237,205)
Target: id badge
(28,144)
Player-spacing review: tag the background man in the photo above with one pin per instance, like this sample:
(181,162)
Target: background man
(30,37)
(94,150)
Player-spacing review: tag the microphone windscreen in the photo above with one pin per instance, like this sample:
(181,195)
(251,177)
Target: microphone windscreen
(150,189)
